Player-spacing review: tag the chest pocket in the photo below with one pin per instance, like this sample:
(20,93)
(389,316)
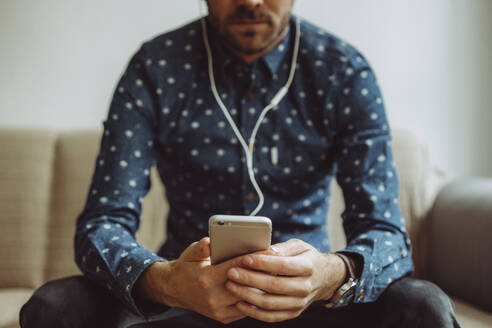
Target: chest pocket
(291,170)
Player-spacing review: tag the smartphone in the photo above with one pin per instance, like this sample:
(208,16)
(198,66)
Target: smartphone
(234,235)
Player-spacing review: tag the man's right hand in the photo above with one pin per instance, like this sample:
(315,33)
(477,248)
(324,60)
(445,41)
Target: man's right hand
(191,282)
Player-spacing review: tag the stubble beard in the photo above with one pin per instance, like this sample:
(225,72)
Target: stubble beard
(235,42)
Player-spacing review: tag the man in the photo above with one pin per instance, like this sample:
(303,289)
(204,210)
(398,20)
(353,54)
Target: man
(330,122)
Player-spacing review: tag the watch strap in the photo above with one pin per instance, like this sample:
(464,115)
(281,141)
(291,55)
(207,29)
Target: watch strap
(345,292)
(348,265)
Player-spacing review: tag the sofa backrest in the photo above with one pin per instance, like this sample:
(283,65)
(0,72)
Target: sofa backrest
(419,183)
(26,160)
(73,167)
(45,176)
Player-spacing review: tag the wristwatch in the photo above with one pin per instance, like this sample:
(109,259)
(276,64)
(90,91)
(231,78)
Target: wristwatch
(345,294)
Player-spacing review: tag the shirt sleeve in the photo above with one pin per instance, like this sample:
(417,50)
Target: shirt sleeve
(105,247)
(372,220)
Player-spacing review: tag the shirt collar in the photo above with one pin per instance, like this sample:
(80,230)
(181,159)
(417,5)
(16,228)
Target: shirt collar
(274,58)
(223,57)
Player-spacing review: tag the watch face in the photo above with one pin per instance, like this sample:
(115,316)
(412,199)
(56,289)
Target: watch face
(349,292)
(343,295)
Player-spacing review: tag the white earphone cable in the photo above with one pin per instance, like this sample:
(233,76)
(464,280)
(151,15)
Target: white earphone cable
(274,102)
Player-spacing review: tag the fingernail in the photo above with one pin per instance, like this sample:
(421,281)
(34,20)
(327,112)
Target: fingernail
(234,274)
(248,260)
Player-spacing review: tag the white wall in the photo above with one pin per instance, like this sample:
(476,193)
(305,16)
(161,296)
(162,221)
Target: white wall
(59,62)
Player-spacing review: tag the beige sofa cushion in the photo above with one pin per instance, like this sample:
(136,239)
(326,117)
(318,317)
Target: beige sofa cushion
(26,160)
(75,159)
(469,316)
(76,153)
(26,166)
(11,300)
(419,184)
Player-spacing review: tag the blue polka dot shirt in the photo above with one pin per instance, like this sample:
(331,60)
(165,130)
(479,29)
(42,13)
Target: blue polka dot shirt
(331,124)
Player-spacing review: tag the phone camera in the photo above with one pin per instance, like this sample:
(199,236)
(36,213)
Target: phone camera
(220,223)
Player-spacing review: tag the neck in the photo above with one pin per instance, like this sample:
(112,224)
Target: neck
(249,58)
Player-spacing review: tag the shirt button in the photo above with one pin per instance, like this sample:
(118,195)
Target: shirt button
(361,294)
(275,77)
(251,95)
(250,197)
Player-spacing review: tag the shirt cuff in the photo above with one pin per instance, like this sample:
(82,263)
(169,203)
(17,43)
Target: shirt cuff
(372,282)
(137,266)
(364,291)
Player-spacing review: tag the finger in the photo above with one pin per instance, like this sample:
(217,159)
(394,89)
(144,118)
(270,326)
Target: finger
(243,260)
(232,314)
(264,300)
(222,268)
(238,261)
(269,251)
(292,286)
(265,315)
(197,251)
(225,298)
(205,245)
(227,314)
(282,265)
(291,247)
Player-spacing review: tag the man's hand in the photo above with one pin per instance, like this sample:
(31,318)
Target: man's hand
(279,287)
(190,282)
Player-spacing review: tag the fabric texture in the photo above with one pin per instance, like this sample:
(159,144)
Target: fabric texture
(77,302)
(11,300)
(463,265)
(75,154)
(470,316)
(25,180)
(150,233)
(332,123)
(72,154)
(420,183)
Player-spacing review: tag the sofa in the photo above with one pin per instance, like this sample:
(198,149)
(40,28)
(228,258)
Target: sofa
(45,176)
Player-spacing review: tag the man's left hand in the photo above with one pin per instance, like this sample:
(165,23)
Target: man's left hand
(280,287)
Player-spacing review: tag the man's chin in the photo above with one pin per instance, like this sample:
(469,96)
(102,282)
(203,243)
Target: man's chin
(248,45)
(251,50)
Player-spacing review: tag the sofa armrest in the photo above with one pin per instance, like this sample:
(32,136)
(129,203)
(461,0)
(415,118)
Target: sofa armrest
(460,240)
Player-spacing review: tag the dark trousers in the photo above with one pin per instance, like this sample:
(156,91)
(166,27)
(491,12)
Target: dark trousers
(77,302)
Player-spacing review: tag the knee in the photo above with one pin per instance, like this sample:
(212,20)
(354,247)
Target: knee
(421,303)
(40,311)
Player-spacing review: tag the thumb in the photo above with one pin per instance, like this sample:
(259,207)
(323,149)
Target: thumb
(226,265)
(291,247)
(197,251)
